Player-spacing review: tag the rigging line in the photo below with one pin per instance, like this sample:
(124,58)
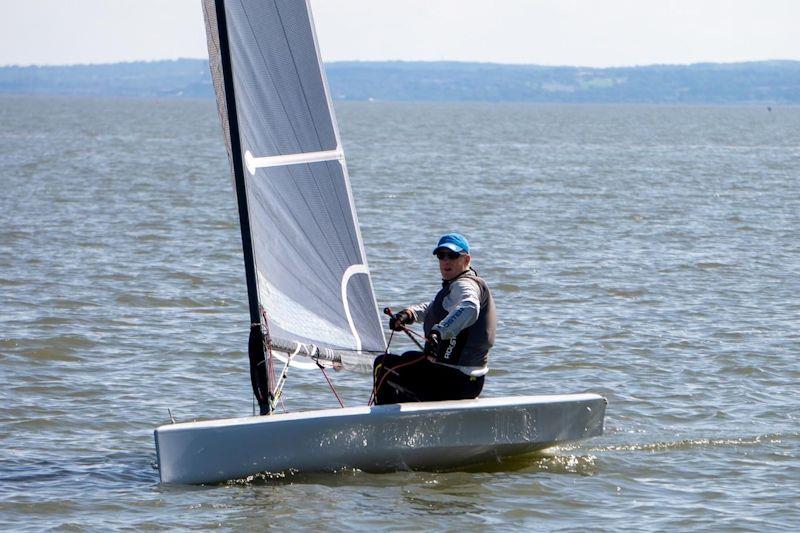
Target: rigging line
(278,394)
(411,332)
(393,370)
(282,380)
(386,352)
(407,330)
(329,383)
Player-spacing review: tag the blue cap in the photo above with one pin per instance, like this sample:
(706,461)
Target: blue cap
(453,241)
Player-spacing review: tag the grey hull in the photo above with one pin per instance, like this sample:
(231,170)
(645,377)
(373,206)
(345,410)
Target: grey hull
(412,436)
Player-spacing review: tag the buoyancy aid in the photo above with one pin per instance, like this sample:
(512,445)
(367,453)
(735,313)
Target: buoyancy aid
(472,344)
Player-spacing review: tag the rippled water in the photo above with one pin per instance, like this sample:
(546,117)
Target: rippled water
(650,254)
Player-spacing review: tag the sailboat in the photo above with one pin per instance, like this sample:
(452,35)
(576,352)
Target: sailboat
(310,293)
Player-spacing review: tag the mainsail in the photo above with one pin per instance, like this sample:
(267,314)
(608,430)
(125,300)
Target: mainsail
(308,283)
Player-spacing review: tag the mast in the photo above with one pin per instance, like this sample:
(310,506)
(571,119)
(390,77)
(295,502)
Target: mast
(259,376)
(238,168)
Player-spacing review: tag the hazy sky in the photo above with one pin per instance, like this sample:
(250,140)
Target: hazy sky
(550,32)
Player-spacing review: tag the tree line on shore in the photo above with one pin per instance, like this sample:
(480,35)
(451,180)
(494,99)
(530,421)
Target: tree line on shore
(761,82)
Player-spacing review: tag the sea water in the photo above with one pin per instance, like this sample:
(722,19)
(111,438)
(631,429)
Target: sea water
(649,254)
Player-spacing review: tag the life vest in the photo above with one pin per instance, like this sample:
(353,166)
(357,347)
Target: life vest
(471,346)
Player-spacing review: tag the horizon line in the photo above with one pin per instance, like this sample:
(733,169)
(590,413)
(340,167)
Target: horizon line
(424,61)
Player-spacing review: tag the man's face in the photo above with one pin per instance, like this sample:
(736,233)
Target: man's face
(451,264)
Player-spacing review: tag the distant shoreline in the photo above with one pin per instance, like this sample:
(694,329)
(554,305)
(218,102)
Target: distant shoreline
(205,99)
(749,83)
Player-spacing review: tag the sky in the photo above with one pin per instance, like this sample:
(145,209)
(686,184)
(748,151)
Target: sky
(591,33)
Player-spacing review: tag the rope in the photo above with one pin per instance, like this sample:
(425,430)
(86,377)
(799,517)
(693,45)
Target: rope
(376,388)
(386,375)
(374,392)
(329,383)
(411,333)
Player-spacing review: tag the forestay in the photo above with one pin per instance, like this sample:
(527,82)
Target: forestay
(308,281)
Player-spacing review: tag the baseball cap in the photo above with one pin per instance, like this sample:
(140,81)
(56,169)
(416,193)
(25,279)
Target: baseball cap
(453,241)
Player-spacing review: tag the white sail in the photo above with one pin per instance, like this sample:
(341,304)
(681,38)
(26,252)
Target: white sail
(307,271)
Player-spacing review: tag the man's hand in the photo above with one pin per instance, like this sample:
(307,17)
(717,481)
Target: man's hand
(432,346)
(399,320)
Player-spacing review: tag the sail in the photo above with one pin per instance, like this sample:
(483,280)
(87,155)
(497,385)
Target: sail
(307,275)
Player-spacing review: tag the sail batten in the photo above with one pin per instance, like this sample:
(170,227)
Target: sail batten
(254,162)
(310,279)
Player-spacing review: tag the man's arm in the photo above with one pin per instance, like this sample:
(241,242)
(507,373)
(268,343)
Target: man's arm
(463,306)
(419,311)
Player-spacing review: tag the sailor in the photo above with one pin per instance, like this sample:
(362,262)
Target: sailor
(459,326)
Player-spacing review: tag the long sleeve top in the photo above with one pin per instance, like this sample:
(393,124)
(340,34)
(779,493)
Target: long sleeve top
(463,306)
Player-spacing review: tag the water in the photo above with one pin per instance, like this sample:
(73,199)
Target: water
(646,253)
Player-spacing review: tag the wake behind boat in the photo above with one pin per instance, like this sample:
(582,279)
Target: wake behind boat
(310,294)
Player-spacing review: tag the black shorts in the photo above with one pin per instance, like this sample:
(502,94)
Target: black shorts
(411,377)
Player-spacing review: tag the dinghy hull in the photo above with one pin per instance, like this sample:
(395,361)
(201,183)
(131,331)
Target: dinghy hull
(411,436)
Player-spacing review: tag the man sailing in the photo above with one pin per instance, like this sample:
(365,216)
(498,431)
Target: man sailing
(459,326)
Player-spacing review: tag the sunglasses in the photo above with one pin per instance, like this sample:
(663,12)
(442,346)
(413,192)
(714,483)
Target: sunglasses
(452,256)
